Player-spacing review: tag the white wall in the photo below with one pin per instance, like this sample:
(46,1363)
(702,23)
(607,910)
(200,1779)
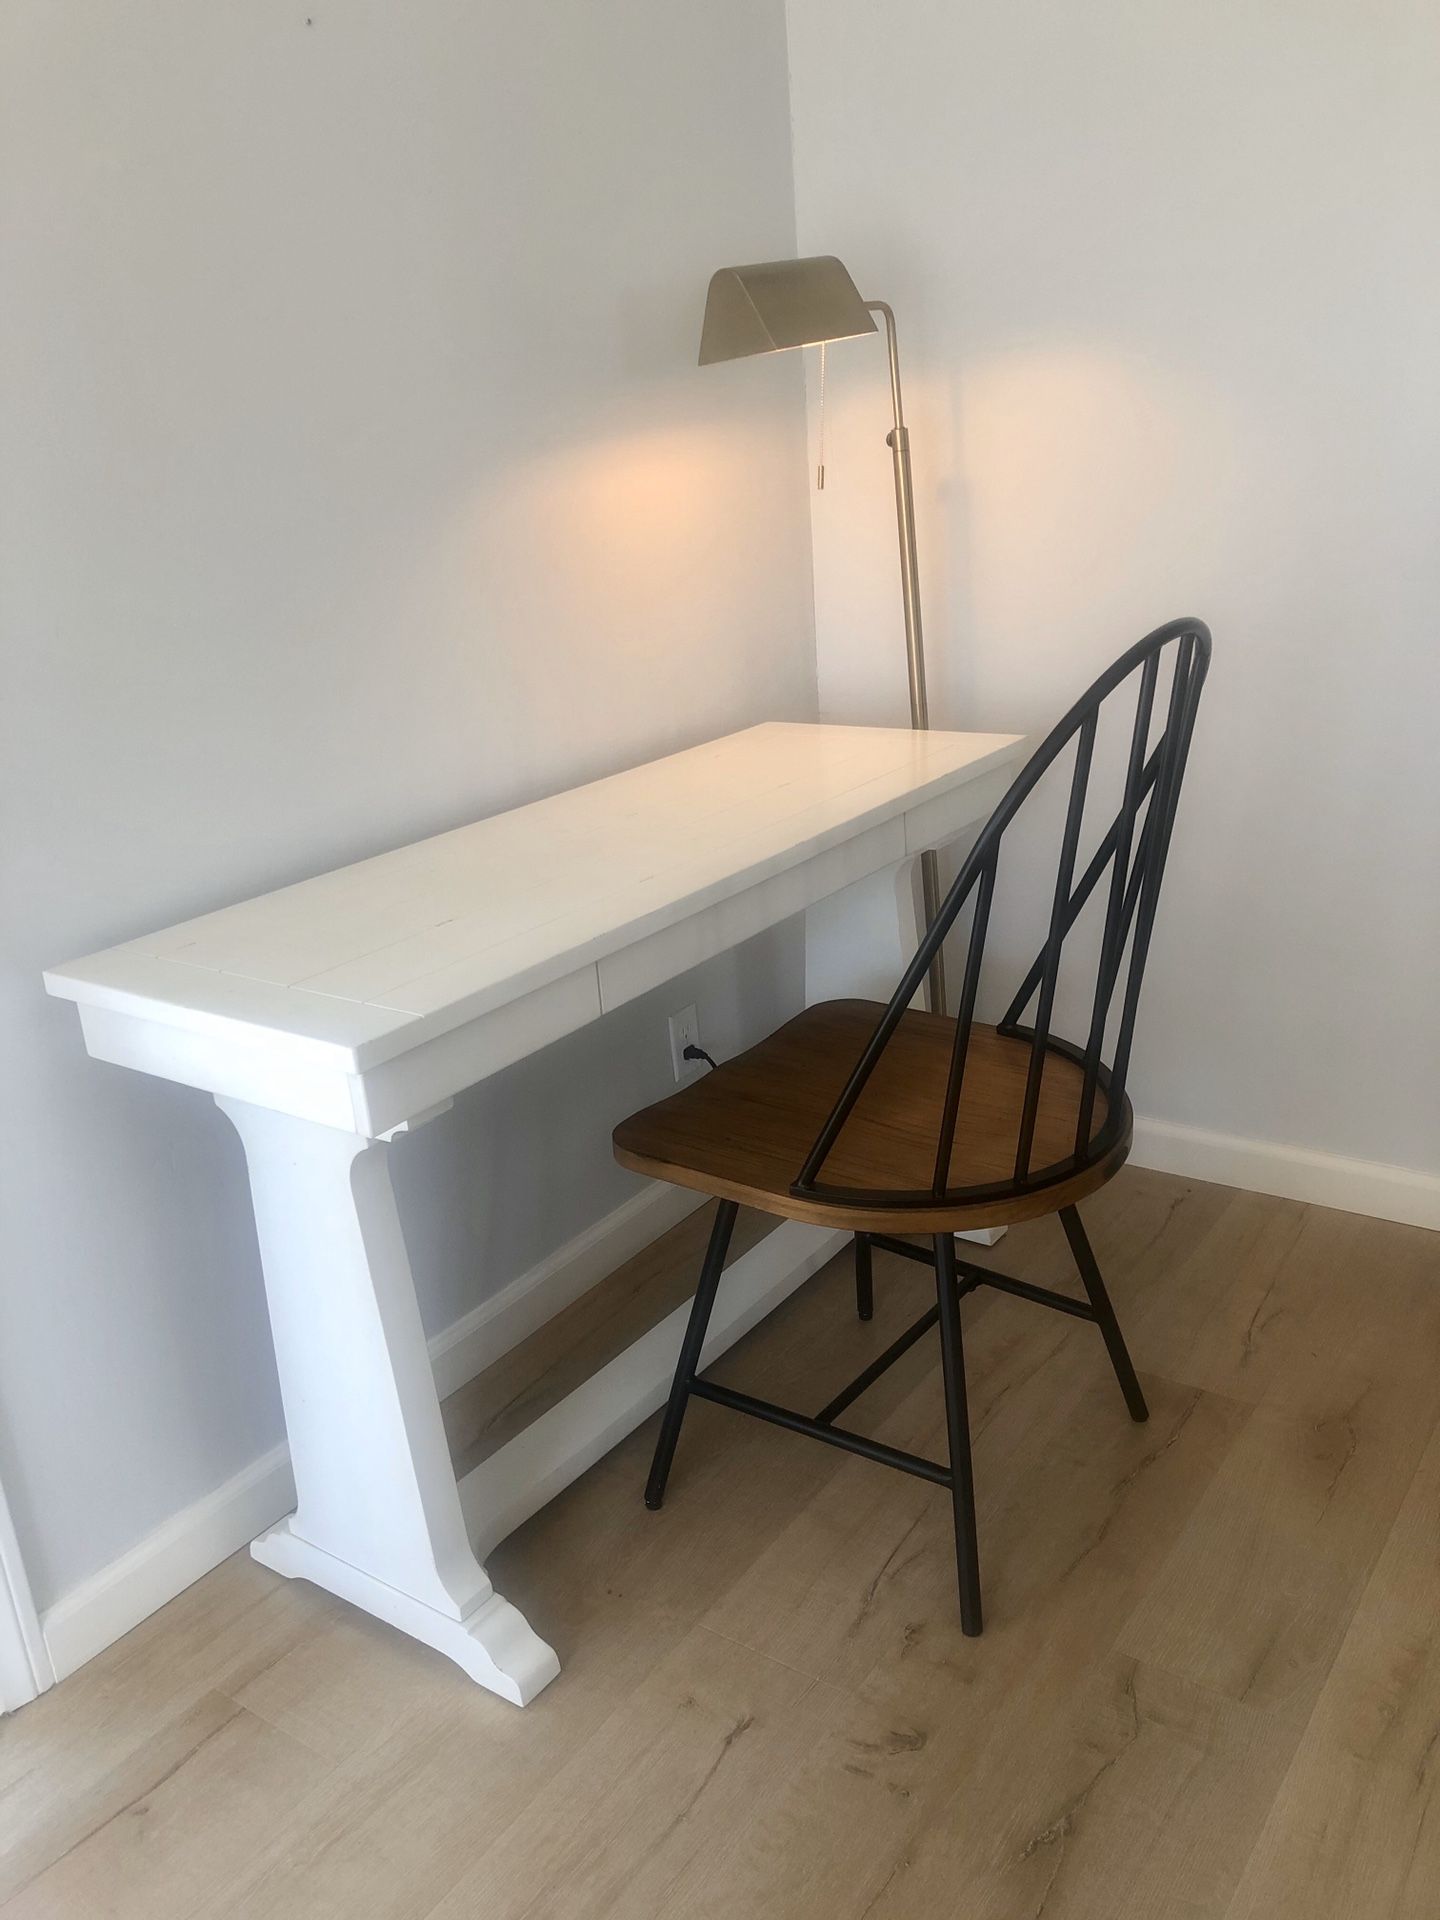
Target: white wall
(357,481)
(1167,282)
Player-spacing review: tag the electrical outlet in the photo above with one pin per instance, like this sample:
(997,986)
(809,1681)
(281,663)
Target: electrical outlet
(684,1032)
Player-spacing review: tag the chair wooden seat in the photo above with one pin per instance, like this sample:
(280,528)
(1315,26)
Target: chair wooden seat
(743,1131)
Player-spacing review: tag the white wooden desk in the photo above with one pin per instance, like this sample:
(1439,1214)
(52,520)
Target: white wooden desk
(333,1016)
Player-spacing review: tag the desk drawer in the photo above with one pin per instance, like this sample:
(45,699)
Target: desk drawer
(661,956)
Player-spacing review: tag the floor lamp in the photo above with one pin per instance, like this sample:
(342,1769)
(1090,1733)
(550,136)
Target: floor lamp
(801,303)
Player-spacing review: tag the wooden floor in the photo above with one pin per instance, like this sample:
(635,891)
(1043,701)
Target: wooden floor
(1209,1684)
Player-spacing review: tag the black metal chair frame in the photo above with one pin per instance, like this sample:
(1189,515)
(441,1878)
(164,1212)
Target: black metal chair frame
(1134,849)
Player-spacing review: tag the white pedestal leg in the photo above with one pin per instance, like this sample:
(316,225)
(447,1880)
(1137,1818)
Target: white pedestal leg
(858,943)
(378,1517)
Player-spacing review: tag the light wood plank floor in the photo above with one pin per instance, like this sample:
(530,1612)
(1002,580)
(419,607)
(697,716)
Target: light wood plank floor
(1209,1687)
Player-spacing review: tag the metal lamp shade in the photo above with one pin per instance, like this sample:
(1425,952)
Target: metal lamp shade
(780,303)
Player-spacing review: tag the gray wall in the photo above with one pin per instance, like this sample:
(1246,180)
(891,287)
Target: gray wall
(1168,282)
(357,481)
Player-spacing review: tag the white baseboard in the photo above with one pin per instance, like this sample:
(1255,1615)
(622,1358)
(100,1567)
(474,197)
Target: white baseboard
(92,1616)
(1293,1173)
(480,1337)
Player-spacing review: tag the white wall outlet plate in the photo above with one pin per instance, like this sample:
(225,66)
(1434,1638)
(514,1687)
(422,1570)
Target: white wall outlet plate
(685,1032)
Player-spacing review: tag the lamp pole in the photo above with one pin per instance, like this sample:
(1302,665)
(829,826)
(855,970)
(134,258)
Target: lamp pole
(898,440)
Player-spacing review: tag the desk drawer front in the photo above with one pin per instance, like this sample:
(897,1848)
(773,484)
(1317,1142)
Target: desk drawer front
(935,821)
(445,1066)
(661,956)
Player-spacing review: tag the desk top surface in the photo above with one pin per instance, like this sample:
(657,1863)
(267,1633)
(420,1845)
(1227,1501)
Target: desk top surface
(455,925)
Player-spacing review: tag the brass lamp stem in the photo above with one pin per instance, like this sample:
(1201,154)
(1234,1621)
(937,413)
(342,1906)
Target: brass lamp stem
(898,441)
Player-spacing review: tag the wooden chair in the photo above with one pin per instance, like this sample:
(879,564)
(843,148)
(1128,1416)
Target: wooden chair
(889,1121)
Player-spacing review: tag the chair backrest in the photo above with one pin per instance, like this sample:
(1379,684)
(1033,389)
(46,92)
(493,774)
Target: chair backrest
(1133,849)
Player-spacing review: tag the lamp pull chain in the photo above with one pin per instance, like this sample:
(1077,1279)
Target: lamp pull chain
(820,435)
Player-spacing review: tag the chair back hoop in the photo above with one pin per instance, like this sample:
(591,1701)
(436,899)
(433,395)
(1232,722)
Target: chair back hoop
(1133,849)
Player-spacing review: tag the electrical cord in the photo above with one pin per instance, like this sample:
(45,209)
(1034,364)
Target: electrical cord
(697,1053)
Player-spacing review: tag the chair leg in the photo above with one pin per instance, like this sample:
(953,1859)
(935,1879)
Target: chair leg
(1104,1313)
(957,1417)
(690,1347)
(864,1278)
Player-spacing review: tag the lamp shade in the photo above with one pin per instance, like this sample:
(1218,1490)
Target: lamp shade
(780,303)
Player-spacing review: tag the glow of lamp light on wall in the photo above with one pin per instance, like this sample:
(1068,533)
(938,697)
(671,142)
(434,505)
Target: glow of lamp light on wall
(1066,428)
